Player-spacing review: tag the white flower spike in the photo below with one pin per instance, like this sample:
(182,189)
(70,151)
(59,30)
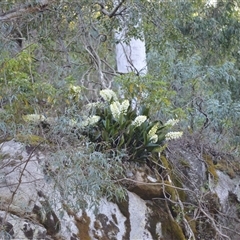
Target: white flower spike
(139,120)
(34,118)
(171,122)
(173,135)
(124,107)
(153,130)
(115,109)
(108,95)
(90,121)
(154,138)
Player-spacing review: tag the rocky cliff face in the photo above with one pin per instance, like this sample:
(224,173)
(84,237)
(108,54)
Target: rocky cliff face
(190,196)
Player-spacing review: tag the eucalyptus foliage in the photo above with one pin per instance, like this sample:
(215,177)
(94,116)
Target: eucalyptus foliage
(88,176)
(55,60)
(193,48)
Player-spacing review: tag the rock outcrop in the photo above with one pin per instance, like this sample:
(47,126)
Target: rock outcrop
(175,204)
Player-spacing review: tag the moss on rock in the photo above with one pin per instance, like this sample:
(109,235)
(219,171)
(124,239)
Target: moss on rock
(33,140)
(210,166)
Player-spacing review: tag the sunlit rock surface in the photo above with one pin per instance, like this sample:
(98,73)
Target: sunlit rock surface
(28,209)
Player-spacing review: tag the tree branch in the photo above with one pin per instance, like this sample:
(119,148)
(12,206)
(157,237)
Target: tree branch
(114,11)
(23,9)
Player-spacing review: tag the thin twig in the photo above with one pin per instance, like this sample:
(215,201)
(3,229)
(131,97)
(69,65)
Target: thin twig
(19,182)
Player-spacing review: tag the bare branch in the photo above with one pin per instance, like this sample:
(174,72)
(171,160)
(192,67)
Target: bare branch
(23,9)
(214,224)
(114,11)
(19,181)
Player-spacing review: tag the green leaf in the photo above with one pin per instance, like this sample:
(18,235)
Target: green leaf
(122,141)
(145,138)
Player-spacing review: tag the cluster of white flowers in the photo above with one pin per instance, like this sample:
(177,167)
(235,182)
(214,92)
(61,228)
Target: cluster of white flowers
(173,135)
(117,108)
(90,121)
(153,130)
(139,120)
(94,119)
(153,137)
(108,95)
(124,107)
(75,89)
(34,118)
(171,122)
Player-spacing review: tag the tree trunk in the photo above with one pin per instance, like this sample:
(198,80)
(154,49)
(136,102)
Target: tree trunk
(130,53)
